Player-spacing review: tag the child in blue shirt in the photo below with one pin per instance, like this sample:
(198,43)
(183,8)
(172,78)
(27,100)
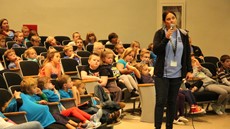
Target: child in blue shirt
(91,121)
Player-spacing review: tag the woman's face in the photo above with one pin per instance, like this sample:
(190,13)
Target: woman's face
(170,19)
(5,25)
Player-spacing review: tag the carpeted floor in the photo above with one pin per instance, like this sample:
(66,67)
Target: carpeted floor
(207,121)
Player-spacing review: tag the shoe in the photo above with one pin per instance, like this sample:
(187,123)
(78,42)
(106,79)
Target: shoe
(222,109)
(217,108)
(134,93)
(93,125)
(183,119)
(177,122)
(96,117)
(121,104)
(197,110)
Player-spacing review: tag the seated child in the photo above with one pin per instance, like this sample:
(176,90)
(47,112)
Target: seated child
(12,58)
(51,66)
(35,40)
(145,75)
(53,96)
(128,72)
(145,58)
(18,37)
(75,36)
(224,72)
(31,55)
(68,50)
(106,69)
(111,110)
(119,49)
(36,96)
(2,41)
(80,45)
(52,41)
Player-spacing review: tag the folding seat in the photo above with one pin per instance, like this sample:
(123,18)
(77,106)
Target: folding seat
(83,53)
(29,68)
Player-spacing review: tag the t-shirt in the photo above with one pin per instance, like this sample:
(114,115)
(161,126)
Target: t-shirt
(91,72)
(54,71)
(52,97)
(36,112)
(64,94)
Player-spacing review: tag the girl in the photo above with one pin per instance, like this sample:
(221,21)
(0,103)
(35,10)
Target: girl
(124,65)
(51,66)
(90,38)
(31,55)
(136,46)
(107,59)
(53,96)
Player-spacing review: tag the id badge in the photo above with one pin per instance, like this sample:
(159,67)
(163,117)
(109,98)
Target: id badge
(173,63)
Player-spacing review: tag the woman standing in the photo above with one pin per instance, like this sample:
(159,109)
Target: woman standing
(173,63)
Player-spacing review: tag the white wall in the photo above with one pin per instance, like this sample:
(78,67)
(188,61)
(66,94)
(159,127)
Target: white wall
(207,20)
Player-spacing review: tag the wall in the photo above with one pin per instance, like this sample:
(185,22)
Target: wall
(207,20)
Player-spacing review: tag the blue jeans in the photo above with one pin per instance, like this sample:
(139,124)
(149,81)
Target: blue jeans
(166,94)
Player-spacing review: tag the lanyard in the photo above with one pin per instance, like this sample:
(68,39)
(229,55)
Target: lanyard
(174,47)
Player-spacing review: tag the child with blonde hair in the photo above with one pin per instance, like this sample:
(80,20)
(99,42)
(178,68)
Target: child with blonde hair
(136,46)
(51,66)
(18,37)
(35,40)
(98,48)
(31,55)
(12,58)
(128,72)
(68,50)
(36,96)
(145,77)
(107,59)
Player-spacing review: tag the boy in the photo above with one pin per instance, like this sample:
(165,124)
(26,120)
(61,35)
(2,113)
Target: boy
(12,58)
(224,72)
(76,36)
(68,50)
(18,37)
(2,41)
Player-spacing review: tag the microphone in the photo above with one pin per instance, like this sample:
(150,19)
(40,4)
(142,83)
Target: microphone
(172,26)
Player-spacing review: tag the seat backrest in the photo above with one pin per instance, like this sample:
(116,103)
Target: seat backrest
(29,44)
(61,38)
(2,51)
(211,67)
(14,88)
(211,59)
(3,83)
(110,46)
(83,53)
(126,45)
(79,68)
(29,68)
(9,44)
(12,78)
(89,48)
(103,41)
(84,60)
(39,49)
(5,62)
(43,39)
(19,51)
(65,42)
(5,96)
(58,48)
(68,65)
